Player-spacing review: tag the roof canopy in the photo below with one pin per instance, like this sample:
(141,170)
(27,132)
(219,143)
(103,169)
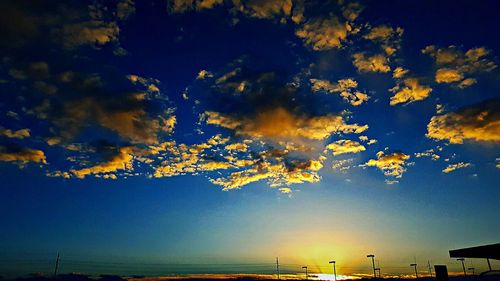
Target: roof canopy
(491,251)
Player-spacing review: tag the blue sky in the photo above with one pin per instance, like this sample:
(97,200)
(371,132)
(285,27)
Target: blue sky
(210,130)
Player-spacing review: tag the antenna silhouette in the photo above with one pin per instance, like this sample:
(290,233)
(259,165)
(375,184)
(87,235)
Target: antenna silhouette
(430,268)
(334,270)
(56,266)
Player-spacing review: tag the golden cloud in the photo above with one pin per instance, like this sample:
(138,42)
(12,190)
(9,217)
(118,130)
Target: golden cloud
(375,63)
(345,146)
(285,190)
(93,33)
(23,155)
(262,9)
(382,33)
(344,87)
(453,167)
(181,6)
(455,65)
(133,124)
(480,122)
(183,159)
(391,164)
(278,174)
(399,72)
(214,165)
(242,147)
(204,74)
(428,153)
(447,75)
(123,160)
(19,134)
(279,123)
(324,34)
(265,9)
(412,91)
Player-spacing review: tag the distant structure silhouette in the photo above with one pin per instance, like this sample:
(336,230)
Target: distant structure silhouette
(278,267)
(430,268)
(56,266)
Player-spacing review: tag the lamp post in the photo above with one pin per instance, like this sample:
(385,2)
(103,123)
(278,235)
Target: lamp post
(334,270)
(463,266)
(372,256)
(415,267)
(305,267)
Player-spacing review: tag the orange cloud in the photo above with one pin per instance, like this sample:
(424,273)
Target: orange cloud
(123,160)
(480,122)
(23,155)
(452,167)
(412,91)
(279,123)
(375,63)
(345,146)
(391,164)
(344,87)
(324,34)
(19,134)
(455,65)
(447,75)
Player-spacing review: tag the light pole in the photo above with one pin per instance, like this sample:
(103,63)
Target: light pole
(305,267)
(334,270)
(463,266)
(415,266)
(372,256)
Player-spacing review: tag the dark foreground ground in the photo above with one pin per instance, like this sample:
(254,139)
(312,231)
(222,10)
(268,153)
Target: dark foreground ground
(79,277)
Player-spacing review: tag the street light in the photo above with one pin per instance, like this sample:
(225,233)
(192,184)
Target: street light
(305,267)
(415,266)
(372,256)
(463,266)
(334,270)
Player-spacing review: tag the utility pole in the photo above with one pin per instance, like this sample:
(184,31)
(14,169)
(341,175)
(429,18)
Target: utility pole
(372,256)
(56,266)
(430,268)
(415,267)
(305,267)
(334,270)
(278,268)
(463,266)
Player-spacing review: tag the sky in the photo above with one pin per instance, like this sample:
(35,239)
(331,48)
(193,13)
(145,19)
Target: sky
(212,136)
